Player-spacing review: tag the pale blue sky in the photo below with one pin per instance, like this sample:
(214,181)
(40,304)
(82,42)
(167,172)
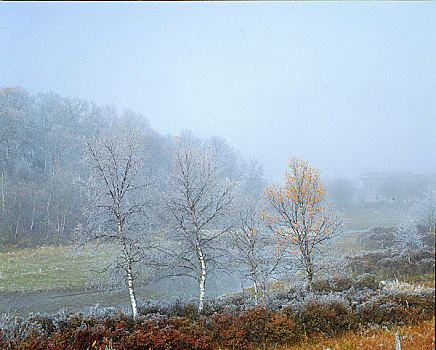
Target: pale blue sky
(349,86)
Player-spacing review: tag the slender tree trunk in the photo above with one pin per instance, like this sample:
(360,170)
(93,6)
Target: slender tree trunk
(309,272)
(202,277)
(129,276)
(131,291)
(33,214)
(263,287)
(18,223)
(253,267)
(47,213)
(255,291)
(58,219)
(47,208)
(3,193)
(3,222)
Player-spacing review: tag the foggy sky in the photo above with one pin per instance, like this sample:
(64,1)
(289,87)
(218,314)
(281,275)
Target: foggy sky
(350,86)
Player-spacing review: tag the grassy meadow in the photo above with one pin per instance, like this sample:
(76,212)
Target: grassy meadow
(44,268)
(369,215)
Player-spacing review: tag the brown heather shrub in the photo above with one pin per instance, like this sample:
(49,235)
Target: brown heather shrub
(337,284)
(156,337)
(397,309)
(421,305)
(229,332)
(64,337)
(282,329)
(394,265)
(389,314)
(253,327)
(328,319)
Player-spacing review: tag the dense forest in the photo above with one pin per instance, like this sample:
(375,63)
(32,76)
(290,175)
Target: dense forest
(42,161)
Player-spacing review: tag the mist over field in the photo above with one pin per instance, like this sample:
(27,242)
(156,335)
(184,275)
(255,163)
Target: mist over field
(192,172)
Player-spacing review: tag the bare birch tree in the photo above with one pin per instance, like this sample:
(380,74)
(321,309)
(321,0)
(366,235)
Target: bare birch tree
(299,215)
(254,247)
(114,190)
(198,203)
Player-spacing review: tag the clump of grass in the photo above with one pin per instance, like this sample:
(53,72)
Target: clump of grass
(405,287)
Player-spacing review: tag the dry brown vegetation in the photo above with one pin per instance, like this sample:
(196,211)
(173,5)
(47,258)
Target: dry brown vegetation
(416,337)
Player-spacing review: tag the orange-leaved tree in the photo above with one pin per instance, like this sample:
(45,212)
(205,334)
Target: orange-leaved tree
(299,215)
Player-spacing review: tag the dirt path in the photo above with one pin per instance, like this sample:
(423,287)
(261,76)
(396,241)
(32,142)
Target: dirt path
(21,304)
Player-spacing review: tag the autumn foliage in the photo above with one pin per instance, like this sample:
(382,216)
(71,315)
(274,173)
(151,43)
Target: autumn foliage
(298,214)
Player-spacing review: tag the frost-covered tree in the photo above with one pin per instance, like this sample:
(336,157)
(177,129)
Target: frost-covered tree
(408,237)
(254,248)
(198,203)
(116,200)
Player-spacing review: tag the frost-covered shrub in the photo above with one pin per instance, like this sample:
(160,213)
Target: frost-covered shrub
(378,238)
(232,322)
(397,286)
(17,332)
(335,284)
(388,264)
(408,238)
(396,308)
(325,317)
(366,281)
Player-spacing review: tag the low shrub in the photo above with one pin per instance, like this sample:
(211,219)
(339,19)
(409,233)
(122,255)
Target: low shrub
(282,328)
(397,309)
(328,319)
(366,281)
(377,238)
(240,331)
(167,337)
(388,264)
(286,318)
(336,284)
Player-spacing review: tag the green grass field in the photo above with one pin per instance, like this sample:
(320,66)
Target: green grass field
(364,217)
(45,268)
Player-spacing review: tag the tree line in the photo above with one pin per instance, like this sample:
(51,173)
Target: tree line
(42,144)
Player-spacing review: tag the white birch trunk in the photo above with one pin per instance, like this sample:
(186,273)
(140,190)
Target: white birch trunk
(33,213)
(128,270)
(132,292)
(47,213)
(18,223)
(202,277)
(255,291)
